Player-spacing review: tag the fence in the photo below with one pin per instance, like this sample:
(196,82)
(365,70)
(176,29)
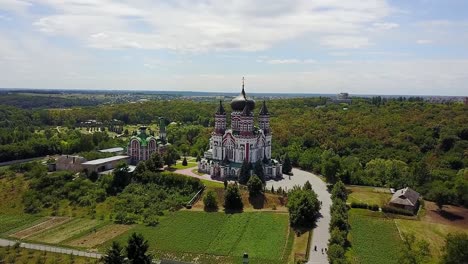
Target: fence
(4,242)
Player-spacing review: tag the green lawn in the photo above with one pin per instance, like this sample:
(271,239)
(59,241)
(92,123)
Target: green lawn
(369,195)
(9,222)
(220,237)
(373,238)
(179,165)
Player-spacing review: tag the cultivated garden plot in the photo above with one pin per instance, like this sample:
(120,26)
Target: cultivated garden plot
(41,227)
(66,231)
(106,233)
(10,222)
(265,236)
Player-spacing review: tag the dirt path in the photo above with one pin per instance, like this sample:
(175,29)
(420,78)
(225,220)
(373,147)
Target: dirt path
(188,172)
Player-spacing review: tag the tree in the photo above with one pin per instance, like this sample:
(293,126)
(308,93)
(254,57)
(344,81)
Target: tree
(307,186)
(439,193)
(136,250)
(330,169)
(170,156)
(225,183)
(413,252)
(287,166)
(233,198)
(198,158)
(303,207)
(210,201)
(121,178)
(114,254)
(258,170)
(155,162)
(336,254)
(184,162)
(455,249)
(255,185)
(244,175)
(339,191)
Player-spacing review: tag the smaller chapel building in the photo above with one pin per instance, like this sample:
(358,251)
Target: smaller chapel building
(144,143)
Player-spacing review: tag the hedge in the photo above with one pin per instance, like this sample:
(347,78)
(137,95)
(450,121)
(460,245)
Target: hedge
(394,210)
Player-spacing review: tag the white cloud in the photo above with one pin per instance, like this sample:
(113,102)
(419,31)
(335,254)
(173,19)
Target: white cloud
(423,41)
(345,42)
(385,26)
(288,61)
(206,25)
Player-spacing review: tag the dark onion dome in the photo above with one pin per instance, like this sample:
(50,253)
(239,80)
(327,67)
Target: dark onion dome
(264,109)
(220,110)
(239,103)
(246,111)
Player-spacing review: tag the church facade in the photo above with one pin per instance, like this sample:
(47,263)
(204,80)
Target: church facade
(243,141)
(143,144)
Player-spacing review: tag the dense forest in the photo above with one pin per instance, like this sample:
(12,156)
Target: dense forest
(392,143)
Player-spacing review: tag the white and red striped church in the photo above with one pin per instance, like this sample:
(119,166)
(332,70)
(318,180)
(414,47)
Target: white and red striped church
(230,147)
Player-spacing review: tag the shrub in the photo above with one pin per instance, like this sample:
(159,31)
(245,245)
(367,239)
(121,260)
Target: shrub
(394,210)
(359,205)
(374,207)
(184,162)
(210,201)
(255,185)
(232,198)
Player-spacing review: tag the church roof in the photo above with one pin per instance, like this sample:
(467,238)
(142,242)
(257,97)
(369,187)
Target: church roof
(246,111)
(264,109)
(220,110)
(239,102)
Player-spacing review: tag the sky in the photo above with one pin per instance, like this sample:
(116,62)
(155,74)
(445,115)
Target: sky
(416,47)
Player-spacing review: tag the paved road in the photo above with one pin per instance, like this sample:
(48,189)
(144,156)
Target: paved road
(320,234)
(7,242)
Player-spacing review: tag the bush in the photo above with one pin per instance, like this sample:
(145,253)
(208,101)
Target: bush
(184,162)
(232,198)
(394,210)
(359,205)
(255,185)
(210,201)
(374,207)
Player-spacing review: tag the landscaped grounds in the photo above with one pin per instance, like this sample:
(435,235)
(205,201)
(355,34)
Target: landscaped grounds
(369,195)
(373,238)
(219,237)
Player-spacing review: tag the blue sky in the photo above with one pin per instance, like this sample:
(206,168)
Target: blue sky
(289,46)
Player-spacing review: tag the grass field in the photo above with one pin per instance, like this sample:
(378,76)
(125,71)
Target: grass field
(189,235)
(433,233)
(68,230)
(11,222)
(179,165)
(373,238)
(369,195)
(29,256)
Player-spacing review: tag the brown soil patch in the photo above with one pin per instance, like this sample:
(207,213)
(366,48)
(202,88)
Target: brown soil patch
(48,224)
(94,239)
(450,215)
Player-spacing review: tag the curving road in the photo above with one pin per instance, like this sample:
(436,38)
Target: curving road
(320,234)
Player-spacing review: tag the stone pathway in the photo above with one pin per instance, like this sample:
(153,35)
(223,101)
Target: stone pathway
(320,233)
(7,242)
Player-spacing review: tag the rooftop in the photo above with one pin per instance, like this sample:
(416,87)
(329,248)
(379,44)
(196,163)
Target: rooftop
(105,160)
(112,150)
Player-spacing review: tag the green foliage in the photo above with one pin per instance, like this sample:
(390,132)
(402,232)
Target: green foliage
(303,207)
(233,198)
(258,170)
(287,166)
(307,186)
(244,175)
(155,163)
(255,185)
(414,252)
(114,255)
(394,210)
(336,254)
(339,191)
(210,201)
(137,250)
(455,250)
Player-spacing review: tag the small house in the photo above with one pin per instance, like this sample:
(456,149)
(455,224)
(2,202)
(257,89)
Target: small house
(406,198)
